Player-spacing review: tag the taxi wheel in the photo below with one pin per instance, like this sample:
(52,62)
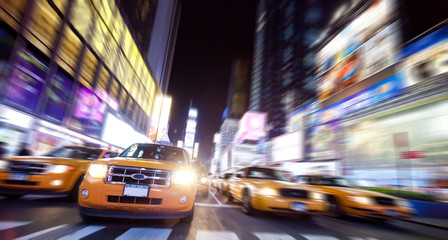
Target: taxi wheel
(229,196)
(247,206)
(73,195)
(189,218)
(334,208)
(218,189)
(87,218)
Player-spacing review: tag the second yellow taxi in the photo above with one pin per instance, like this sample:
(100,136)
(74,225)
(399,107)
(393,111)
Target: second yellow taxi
(267,189)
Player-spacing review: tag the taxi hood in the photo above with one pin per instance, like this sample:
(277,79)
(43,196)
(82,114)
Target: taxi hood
(276,184)
(143,163)
(354,191)
(46,160)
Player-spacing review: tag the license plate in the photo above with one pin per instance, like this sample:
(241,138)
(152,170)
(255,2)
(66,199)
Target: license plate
(18,176)
(299,207)
(133,190)
(392,213)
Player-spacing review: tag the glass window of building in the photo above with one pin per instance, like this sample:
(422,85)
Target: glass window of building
(68,54)
(103,78)
(82,16)
(123,98)
(99,37)
(44,27)
(14,11)
(58,95)
(114,89)
(89,65)
(61,5)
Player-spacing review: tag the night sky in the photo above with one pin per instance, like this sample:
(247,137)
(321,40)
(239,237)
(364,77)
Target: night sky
(211,35)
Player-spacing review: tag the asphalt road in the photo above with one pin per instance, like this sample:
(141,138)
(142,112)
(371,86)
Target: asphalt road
(38,217)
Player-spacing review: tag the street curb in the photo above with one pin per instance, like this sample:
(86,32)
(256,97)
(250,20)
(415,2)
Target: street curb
(427,224)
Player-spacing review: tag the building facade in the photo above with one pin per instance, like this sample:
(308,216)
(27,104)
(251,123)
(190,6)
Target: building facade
(73,71)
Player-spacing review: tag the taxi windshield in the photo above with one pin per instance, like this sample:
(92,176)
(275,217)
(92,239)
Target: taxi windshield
(266,173)
(336,181)
(154,152)
(75,152)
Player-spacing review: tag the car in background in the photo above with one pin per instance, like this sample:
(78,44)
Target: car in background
(345,198)
(203,185)
(268,189)
(58,172)
(214,179)
(146,181)
(223,182)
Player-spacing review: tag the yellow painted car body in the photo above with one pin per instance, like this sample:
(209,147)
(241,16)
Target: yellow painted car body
(223,183)
(113,191)
(355,201)
(54,175)
(273,194)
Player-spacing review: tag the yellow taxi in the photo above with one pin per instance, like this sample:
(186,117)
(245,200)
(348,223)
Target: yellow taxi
(203,185)
(214,180)
(223,183)
(267,189)
(345,198)
(59,172)
(146,181)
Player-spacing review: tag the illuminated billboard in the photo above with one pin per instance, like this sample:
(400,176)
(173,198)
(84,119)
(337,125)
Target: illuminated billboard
(367,45)
(252,126)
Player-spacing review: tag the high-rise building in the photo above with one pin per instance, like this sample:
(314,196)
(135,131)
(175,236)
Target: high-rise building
(154,25)
(285,34)
(76,71)
(238,93)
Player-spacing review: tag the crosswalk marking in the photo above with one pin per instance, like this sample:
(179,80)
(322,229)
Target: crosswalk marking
(215,235)
(318,237)
(36,234)
(215,205)
(145,233)
(362,238)
(82,233)
(12,224)
(273,236)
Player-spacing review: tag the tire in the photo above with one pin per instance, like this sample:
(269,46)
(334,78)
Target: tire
(13,196)
(229,196)
(334,207)
(87,218)
(189,218)
(73,195)
(248,209)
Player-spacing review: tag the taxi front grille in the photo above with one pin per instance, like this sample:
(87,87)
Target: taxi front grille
(134,200)
(146,176)
(293,193)
(384,201)
(27,167)
(21,182)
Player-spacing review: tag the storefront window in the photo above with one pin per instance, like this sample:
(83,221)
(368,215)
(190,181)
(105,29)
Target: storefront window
(103,79)
(89,65)
(6,45)
(15,11)
(68,54)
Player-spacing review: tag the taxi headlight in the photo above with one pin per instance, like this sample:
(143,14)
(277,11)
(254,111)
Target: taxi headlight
(4,164)
(268,191)
(403,203)
(59,168)
(184,177)
(362,200)
(97,170)
(203,180)
(316,195)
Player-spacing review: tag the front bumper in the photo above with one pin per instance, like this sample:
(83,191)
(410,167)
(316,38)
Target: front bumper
(285,205)
(132,215)
(377,211)
(53,184)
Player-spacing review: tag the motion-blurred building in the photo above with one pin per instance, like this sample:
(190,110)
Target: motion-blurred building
(77,71)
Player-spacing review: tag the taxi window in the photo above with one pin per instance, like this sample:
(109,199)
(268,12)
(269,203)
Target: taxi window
(75,152)
(110,154)
(155,152)
(304,180)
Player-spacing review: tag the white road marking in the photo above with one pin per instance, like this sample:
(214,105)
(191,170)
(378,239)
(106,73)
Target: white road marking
(362,238)
(216,235)
(216,199)
(273,236)
(318,237)
(145,233)
(215,205)
(82,233)
(12,224)
(36,234)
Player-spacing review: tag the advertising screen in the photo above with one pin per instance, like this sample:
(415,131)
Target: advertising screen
(58,96)
(367,45)
(89,112)
(27,81)
(324,142)
(426,58)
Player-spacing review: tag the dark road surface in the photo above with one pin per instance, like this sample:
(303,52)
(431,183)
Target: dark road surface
(38,217)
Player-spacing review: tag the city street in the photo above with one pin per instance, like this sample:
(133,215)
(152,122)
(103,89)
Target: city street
(45,217)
